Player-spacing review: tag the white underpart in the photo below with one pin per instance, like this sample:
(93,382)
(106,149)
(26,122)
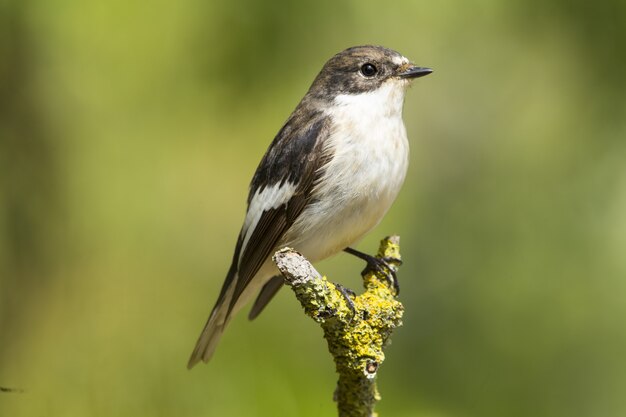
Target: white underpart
(370,159)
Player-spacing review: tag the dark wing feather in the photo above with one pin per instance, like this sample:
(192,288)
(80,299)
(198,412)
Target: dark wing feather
(296,156)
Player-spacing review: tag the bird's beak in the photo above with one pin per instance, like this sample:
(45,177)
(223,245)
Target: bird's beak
(411,71)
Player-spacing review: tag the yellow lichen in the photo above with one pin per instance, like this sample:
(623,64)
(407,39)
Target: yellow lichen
(356,330)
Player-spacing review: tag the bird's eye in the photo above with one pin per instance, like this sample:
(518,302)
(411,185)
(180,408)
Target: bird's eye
(368,70)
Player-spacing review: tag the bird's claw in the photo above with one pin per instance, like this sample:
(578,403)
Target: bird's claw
(347,293)
(382,266)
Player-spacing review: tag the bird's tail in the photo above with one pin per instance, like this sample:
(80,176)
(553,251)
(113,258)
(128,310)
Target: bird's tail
(213,329)
(210,336)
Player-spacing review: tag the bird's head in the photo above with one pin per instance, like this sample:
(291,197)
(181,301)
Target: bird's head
(365,69)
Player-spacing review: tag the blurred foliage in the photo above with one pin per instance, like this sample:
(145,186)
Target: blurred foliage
(129,132)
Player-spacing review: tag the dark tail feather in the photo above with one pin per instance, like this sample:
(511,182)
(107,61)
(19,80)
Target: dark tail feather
(207,342)
(214,327)
(266,294)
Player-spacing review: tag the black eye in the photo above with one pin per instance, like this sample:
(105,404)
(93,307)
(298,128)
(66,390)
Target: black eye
(368,70)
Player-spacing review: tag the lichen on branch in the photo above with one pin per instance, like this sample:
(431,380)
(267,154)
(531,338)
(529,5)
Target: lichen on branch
(357,328)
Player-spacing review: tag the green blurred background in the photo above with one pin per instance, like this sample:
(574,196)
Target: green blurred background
(129,131)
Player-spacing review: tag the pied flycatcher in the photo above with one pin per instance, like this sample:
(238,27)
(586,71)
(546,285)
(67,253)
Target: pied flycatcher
(328,177)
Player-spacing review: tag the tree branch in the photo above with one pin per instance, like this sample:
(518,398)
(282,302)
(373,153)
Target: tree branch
(357,328)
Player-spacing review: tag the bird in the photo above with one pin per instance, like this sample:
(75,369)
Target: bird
(328,177)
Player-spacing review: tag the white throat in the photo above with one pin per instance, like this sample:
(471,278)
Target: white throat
(386,101)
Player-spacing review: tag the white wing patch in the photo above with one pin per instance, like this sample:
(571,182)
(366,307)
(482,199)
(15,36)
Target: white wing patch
(270,198)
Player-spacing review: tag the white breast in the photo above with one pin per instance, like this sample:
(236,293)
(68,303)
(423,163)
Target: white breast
(370,158)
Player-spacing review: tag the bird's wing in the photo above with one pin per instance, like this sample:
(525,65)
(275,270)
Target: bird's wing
(280,189)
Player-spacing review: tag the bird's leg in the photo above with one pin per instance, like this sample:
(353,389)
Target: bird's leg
(380,265)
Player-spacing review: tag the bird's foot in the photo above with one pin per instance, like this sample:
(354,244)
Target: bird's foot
(381,266)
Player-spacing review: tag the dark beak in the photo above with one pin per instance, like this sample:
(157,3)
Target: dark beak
(415,72)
